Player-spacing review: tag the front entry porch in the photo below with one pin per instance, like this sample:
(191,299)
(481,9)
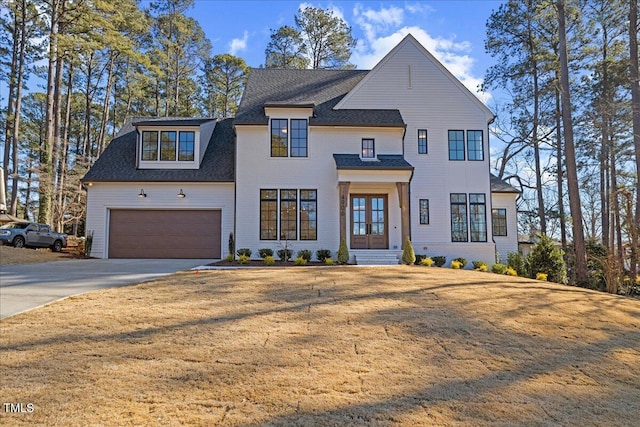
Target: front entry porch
(369,221)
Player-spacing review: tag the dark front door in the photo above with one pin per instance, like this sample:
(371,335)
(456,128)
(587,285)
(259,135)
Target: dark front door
(369,221)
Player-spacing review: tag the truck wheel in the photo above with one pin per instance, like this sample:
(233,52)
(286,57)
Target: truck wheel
(18,242)
(57,246)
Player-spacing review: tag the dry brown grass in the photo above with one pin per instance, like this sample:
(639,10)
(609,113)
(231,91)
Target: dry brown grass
(10,255)
(326,346)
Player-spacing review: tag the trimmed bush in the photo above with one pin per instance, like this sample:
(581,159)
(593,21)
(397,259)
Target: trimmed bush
(499,268)
(541,276)
(462,261)
(439,261)
(244,251)
(323,254)
(269,260)
(329,261)
(419,259)
(427,262)
(284,254)
(343,252)
(483,268)
(516,261)
(300,261)
(546,258)
(306,254)
(456,265)
(243,259)
(478,264)
(265,252)
(408,255)
(511,272)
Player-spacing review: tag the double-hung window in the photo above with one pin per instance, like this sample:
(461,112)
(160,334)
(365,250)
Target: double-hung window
(478,217)
(150,145)
(459,217)
(186,146)
(285,141)
(424,211)
(288,214)
(368,148)
(474,145)
(308,215)
(268,214)
(499,222)
(422,141)
(456,145)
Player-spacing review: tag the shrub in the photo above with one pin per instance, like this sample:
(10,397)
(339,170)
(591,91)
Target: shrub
(419,259)
(541,276)
(301,261)
(265,252)
(269,260)
(230,258)
(455,264)
(511,272)
(515,260)
(284,254)
(499,268)
(323,254)
(306,254)
(462,261)
(483,268)
(408,255)
(329,261)
(427,262)
(243,259)
(439,261)
(244,251)
(545,257)
(343,252)
(477,265)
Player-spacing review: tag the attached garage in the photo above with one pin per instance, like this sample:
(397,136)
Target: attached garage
(141,233)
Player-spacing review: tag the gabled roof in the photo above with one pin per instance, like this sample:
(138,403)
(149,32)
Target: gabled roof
(118,161)
(500,186)
(321,89)
(164,121)
(383,162)
(410,39)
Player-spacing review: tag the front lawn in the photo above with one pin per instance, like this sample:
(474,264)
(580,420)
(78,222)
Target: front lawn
(326,346)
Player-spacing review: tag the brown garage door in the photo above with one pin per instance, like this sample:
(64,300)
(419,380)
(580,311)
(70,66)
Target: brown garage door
(164,234)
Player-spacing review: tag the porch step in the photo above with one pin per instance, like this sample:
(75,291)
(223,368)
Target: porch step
(375,257)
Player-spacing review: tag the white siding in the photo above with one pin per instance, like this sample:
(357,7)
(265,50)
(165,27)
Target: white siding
(508,243)
(104,196)
(256,170)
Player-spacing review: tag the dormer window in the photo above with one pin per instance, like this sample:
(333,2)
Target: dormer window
(289,142)
(368,148)
(168,145)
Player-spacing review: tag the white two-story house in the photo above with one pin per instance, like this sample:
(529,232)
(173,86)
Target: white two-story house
(312,157)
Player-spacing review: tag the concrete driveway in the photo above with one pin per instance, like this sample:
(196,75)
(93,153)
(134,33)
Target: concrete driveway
(27,286)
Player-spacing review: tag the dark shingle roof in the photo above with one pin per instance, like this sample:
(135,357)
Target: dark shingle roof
(118,161)
(320,88)
(385,161)
(170,122)
(500,186)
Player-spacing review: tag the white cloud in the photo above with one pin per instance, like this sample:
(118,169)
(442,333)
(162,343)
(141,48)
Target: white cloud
(239,45)
(374,21)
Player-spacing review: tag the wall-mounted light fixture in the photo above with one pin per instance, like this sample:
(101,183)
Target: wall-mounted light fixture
(142,193)
(181,194)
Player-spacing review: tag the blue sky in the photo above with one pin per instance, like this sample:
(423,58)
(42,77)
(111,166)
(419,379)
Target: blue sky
(454,31)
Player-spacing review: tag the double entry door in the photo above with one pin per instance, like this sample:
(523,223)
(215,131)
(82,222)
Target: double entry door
(369,223)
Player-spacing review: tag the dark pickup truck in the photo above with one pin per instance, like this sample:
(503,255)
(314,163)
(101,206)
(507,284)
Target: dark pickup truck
(32,235)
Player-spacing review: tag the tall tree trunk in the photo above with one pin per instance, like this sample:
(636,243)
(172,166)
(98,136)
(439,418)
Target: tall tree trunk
(615,207)
(62,163)
(45,185)
(9,124)
(88,100)
(570,151)
(635,102)
(560,173)
(105,106)
(57,122)
(18,108)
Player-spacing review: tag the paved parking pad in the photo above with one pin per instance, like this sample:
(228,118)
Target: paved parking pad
(27,286)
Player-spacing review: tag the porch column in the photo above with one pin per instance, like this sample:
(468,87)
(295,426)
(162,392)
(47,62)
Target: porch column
(403,197)
(344,199)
